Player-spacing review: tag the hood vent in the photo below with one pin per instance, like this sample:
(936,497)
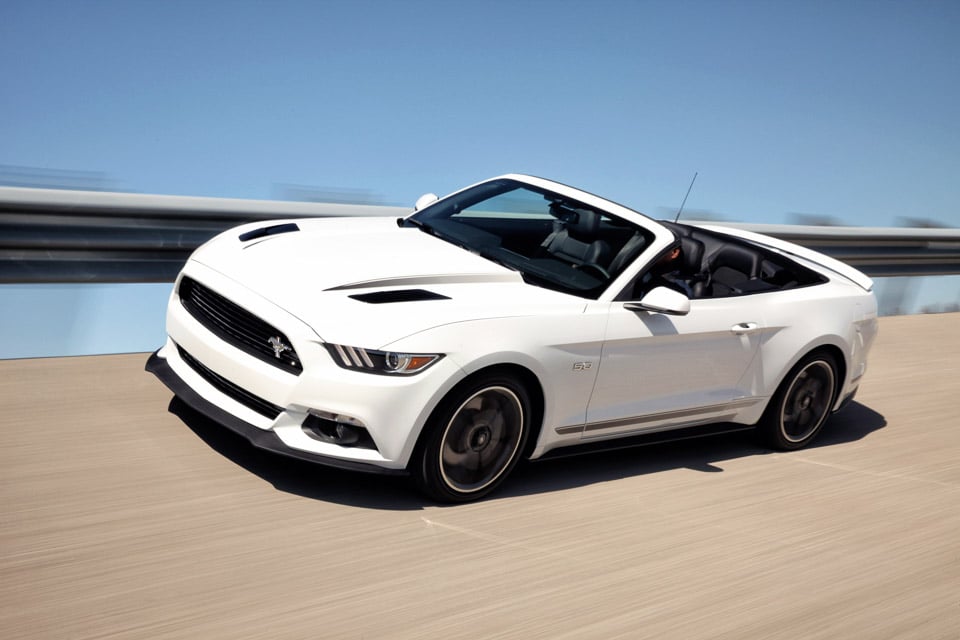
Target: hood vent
(262,232)
(403,295)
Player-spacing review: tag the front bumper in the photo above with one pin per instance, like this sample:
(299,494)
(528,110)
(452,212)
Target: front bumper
(392,409)
(260,438)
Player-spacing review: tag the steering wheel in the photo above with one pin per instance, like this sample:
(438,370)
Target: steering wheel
(593,266)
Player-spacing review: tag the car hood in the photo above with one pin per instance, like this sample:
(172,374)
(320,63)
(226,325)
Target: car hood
(367,282)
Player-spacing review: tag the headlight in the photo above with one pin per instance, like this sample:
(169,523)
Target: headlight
(385,362)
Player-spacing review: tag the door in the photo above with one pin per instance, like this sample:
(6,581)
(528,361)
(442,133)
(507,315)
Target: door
(660,371)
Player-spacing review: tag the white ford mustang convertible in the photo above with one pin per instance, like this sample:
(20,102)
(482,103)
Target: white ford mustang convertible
(508,320)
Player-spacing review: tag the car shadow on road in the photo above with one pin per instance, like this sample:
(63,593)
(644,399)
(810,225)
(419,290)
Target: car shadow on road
(393,493)
(299,477)
(706,454)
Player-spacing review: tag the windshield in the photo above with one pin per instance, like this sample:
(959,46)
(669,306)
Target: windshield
(553,241)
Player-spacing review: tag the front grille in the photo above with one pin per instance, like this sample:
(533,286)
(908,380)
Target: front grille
(244,397)
(238,327)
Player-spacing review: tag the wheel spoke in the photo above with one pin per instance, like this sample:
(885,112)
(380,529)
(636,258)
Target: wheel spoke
(807,401)
(481,439)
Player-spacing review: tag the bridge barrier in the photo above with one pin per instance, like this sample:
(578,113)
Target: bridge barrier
(54,235)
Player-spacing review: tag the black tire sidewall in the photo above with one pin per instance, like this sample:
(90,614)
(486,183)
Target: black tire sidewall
(426,470)
(771,425)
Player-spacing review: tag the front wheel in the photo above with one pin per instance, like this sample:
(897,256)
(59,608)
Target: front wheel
(801,405)
(473,439)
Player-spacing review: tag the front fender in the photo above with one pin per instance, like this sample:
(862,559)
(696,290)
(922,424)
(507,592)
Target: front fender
(563,354)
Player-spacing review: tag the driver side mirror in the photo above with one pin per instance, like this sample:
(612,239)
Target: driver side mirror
(424,200)
(662,300)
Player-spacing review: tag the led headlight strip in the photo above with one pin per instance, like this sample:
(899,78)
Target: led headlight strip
(384,362)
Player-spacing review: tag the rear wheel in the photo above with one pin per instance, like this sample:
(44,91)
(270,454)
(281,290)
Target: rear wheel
(802,404)
(473,439)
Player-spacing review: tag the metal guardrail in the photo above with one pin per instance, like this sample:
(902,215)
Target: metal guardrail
(877,251)
(52,235)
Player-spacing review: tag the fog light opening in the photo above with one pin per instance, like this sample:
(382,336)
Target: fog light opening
(339,430)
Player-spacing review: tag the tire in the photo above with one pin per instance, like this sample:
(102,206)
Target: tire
(801,405)
(473,439)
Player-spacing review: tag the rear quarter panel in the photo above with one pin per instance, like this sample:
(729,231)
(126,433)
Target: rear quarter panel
(837,314)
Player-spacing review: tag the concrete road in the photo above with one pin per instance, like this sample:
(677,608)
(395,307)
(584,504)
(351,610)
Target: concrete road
(121,520)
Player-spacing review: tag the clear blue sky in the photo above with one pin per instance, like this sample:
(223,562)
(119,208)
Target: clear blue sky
(844,108)
(847,109)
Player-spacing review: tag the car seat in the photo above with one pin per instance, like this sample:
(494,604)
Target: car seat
(576,242)
(730,267)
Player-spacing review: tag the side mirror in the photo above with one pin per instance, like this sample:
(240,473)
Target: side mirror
(424,200)
(662,300)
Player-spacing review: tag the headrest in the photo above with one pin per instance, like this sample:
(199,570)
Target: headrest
(588,223)
(739,258)
(691,254)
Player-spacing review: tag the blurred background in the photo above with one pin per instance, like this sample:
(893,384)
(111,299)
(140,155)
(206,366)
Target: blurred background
(814,113)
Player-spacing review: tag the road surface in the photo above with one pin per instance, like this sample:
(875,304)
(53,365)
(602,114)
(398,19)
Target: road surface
(121,520)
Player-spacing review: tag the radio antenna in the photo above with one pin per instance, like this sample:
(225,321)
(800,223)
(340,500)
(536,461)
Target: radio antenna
(680,210)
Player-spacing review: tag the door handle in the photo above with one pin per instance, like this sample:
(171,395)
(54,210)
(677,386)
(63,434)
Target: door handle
(744,328)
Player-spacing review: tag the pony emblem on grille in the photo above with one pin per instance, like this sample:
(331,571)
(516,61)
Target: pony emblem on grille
(278,346)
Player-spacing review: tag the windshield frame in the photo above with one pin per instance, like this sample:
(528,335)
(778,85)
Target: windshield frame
(520,240)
